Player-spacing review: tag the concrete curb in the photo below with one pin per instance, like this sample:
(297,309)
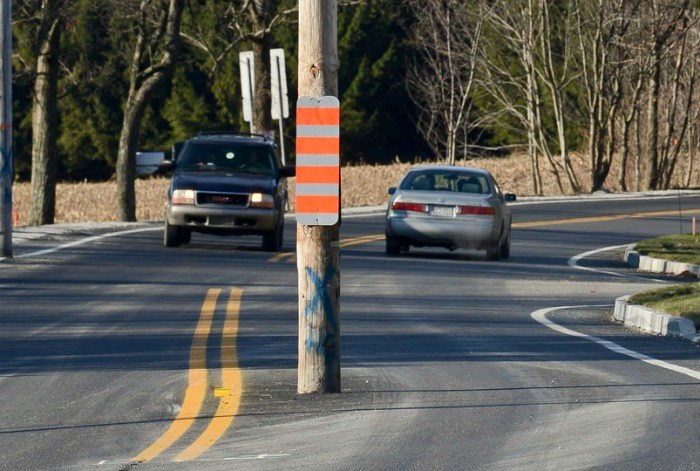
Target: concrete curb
(658,265)
(654,322)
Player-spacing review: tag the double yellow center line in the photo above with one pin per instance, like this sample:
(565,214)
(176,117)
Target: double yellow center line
(229,393)
(291,257)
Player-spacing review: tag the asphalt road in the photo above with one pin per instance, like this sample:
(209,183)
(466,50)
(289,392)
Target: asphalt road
(107,346)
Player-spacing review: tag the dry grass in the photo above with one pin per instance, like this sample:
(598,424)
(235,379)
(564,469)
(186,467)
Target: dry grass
(96,202)
(362,186)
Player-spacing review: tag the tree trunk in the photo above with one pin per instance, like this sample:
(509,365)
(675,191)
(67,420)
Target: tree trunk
(126,157)
(143,82)
(262,101)
(651,173)
(624,154)
(627,123)
(42,206)
(692,148)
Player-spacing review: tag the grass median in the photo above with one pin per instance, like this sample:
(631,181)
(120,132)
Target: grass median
(678,300)
(679,248)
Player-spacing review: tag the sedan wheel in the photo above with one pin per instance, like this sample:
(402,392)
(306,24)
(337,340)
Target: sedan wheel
(493,252)
(393,246)
(505,247)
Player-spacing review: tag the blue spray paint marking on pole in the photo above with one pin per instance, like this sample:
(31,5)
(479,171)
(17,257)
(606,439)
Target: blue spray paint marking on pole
(321,296)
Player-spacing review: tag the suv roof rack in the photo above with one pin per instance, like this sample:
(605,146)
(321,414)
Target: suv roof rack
(229,132)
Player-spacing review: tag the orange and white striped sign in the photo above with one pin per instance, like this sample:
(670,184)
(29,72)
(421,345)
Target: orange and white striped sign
(318,161)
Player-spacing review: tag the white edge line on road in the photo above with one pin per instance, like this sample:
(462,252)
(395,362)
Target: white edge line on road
(573,263)
(541,317)
(263,456)
(87,240)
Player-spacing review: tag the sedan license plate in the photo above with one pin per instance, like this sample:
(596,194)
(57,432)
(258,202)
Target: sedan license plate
(443,211)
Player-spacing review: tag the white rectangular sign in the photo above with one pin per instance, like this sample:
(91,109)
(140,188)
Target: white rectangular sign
(245,60)
(278,84)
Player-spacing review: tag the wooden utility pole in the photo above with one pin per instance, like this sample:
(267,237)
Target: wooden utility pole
(318,249)
(6,128)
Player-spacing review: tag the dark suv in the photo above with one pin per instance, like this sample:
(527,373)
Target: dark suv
(227,183)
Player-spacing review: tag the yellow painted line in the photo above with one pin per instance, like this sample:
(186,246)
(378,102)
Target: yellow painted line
(291,256)
(361,240)
(231,380)
(348,243)
(196,390)
(614,217)
(280,256)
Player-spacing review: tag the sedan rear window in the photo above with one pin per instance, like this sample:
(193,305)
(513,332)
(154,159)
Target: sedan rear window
(445,180)
(228,157)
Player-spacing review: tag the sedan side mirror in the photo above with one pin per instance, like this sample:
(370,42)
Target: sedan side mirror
(392,190)
(288,171)
(511,197)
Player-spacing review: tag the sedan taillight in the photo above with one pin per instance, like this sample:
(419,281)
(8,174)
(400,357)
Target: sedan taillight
(478,210)
(405,206)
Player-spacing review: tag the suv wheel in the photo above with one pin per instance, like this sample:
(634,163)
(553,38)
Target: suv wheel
(185,236)
(272,241)
(172,235)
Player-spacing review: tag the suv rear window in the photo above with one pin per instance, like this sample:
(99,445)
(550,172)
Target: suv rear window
(228,157)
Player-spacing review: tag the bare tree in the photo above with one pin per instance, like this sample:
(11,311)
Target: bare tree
(677,108)
(665,17)
(250,22)
(511,74)
(633,82)
(44,68)
(260,14)
(446,36)
(602,40)
(556,73)
(157,27)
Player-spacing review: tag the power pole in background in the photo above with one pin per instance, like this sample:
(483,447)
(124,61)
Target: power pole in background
(6,128)
(318,248)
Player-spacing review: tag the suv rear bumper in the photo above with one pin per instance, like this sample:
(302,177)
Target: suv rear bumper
(231,220)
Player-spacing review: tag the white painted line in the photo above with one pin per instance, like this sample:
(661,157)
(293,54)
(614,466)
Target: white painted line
(541,317)
(263,456)
(84,241)
(653,195)
(573,263)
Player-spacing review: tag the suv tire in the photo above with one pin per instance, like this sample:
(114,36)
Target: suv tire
(172,235)
(272,241)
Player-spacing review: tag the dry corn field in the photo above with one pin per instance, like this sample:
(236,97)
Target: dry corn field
(362,186)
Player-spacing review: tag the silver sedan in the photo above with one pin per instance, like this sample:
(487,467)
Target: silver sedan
(448,206)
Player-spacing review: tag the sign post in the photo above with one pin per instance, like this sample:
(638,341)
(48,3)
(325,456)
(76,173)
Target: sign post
(6,128)
(278,89)
(245,61)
